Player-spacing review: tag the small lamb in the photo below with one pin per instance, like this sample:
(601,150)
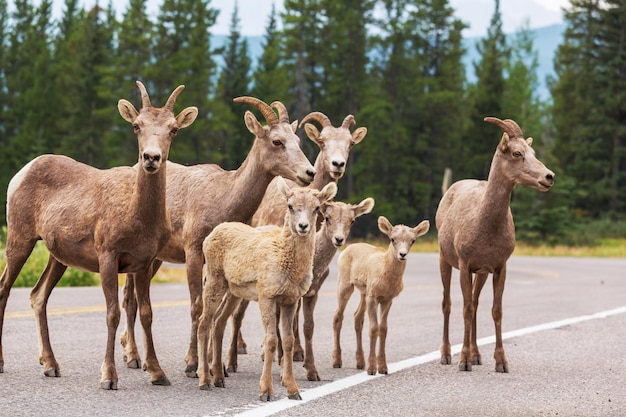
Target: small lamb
(272,266)
(377,274)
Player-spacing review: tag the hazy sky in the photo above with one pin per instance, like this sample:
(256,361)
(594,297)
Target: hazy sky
(253,14)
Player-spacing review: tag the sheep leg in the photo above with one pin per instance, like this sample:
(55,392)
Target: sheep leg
(108,277)
(195,261)
(287,312)
(499,278)
(465,363)
(344,291)
(385,306)
(298,352)
(225,310)
(142,293)
(479,283)
(372,315)
(308,307)
(270,341)
(212,296)
(236,337)
(359,319)
(17,252)
(39,301)
(445,270)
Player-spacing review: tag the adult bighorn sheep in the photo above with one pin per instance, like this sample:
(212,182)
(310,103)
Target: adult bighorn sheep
(108,221)
(199,197)
(270,265)
(335,144)
(477,236)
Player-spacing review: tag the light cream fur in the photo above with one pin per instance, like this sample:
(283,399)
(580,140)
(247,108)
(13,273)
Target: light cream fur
(273,267)
(377,274)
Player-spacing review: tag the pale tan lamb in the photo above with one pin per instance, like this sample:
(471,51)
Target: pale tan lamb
(477,236)
(108,221)
(272,266)
(377,274)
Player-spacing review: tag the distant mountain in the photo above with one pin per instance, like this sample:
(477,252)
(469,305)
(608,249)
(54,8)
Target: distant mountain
(546,41)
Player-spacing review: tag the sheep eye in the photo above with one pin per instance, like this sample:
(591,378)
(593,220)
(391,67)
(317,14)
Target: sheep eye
(290,207)
(517,154)
(393,240)
(136,127)
(277,142)
(174,131)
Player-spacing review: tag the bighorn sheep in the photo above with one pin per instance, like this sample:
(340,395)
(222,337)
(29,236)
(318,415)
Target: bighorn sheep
(335,145)
(270,265)
(106,221)
(377,273)
(200,197)
(477,236)
(333,233)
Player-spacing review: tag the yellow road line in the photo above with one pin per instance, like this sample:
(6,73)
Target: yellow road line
(87,309)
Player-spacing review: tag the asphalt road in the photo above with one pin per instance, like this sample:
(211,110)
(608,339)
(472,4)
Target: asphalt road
(574,365)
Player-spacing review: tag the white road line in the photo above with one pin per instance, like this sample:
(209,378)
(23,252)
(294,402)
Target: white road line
(314,393)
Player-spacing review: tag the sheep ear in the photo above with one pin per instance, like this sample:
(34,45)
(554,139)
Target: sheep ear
(358,135)
(127,110)
(364,207)
(294,126)
(312,133)
(384,225)
(504,143)
(529,141)
(282,185)
(422,228)
(186,117)
(253,124)
(328,192)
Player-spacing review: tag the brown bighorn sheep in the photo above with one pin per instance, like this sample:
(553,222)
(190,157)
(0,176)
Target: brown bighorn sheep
(333,233)
(477,236)
(377,274)
(335,145)
(106,221)
(270,265)
(200,197)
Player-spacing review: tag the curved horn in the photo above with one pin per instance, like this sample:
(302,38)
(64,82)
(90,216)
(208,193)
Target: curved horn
(170,101)
(145,98)
(283,116)
(506,127)
(266,111)
(319,117)
(515,127)
(349,120)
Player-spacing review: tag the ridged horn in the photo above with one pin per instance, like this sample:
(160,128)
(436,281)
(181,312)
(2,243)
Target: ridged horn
(283,115)
(508,126)
(264,108)
(145,98)
(170,101)
(348,121)
(319,117)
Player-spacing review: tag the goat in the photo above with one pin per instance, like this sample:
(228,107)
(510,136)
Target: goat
(477,235)
(200,197)
(335,145)
(377,274)
(270,265)
(108,221)
(333,233)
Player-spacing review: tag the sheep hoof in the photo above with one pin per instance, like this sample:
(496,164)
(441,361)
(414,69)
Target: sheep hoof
(220,384)
(108,385)
(298,357)
(360,366)
(336,365)
(502,367)
(134,364)
(265,396)
(371,371)
(477,360)
(232,368)
(465,366)
(1,368)
(241,350)
(315,377)
(205,387)
(191,371)
(52,372)
(163,381)
(295,396)
(446,360)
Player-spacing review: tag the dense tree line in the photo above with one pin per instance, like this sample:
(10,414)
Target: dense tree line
(399,71)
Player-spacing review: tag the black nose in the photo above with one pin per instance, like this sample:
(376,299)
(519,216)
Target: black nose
(550,177)
(151,158)
(311,173)
(339,164)
(338,240)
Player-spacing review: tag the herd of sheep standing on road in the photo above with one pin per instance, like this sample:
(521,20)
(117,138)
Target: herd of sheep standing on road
(267,232)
